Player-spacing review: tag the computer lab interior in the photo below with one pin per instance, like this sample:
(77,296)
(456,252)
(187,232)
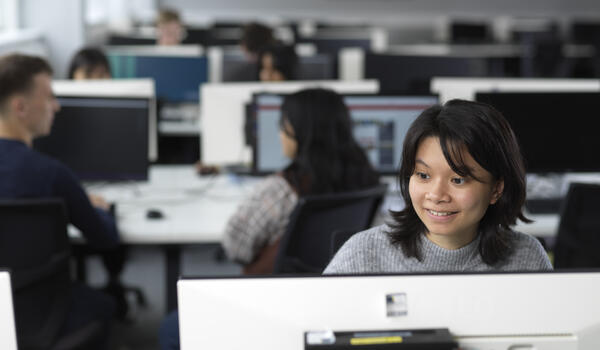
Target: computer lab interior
(183,134)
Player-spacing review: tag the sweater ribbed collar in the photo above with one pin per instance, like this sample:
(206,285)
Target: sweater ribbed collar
(442,259)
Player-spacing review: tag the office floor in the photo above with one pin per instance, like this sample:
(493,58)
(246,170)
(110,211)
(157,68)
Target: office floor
(146,269)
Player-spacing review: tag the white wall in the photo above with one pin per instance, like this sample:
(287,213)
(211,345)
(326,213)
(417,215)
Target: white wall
(61,23)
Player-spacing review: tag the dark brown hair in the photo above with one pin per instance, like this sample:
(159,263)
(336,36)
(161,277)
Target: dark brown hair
(328,158)
(491,142)
(88,58)
(256,37)
(17,72)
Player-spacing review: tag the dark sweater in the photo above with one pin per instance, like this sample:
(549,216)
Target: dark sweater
(25,173)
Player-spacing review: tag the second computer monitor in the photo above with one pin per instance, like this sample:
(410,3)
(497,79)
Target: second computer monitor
(100,139)
(379,125)
(177,77)
(556,130)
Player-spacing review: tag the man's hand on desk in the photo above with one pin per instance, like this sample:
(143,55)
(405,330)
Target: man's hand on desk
(99,201)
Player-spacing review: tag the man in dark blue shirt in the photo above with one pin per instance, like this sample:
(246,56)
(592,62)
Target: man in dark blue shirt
(27,107)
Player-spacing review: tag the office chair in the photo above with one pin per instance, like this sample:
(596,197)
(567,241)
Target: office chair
(35,247)
(578,239)
(305,246)
(339,237)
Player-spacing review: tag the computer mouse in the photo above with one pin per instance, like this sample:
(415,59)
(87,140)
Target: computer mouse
(154,214)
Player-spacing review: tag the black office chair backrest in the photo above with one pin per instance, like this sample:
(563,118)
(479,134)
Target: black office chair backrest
(305,247)
(578,239)
(34,246)
(339,237)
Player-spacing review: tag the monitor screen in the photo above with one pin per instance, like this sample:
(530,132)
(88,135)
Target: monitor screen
(487,311)
(554,129)
(400,74)
(100,139)
(177,78)
(236,67)
(379,126)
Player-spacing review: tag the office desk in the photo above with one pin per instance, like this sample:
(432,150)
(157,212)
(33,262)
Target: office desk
(195,211)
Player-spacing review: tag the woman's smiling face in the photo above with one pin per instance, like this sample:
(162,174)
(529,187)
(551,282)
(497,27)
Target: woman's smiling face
(449,205)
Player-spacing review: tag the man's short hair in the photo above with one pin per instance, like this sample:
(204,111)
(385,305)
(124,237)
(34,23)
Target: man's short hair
(17,72)
(168,15)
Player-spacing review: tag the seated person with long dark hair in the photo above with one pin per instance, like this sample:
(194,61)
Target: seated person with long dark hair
(463,181)
(277,62)
(316,134)
(89,63)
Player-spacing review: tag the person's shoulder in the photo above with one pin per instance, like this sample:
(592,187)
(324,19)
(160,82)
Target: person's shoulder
(375,236)
(274,183)
(527,253)
(522,240)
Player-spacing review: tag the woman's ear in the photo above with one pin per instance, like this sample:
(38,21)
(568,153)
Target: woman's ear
(497,191)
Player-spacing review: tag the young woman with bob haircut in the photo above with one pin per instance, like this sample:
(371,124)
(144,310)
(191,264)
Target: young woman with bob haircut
(462,179)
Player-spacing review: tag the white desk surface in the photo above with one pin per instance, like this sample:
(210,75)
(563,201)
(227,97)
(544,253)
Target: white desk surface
(196,209)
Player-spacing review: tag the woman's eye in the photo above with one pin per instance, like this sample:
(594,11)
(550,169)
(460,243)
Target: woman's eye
(458,180)
(422,176)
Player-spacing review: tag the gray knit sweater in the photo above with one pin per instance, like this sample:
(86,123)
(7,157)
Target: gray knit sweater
(370,251)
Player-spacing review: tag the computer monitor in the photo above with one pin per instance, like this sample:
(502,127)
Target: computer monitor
(105,130)
(223,110)
(236,67)
(556,130)
(467,32)
(100,139)
(487,311)
(177,73)
(465,88)
(379,125)
(404,74)
(8,335)
(585,32)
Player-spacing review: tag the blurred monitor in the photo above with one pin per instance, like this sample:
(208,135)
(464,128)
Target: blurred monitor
(466,88)
(122,39)
(483,311)
(379,125)
(332,45)
(403,74)
(236,67)
(585,32)
(177,77)
(223,113)
(555,130)
(470,33)
(100,139)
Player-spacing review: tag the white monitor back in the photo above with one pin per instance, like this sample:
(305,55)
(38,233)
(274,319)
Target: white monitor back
(466,88)
(223,112)
(8,336)
(121,88)
(547,311)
